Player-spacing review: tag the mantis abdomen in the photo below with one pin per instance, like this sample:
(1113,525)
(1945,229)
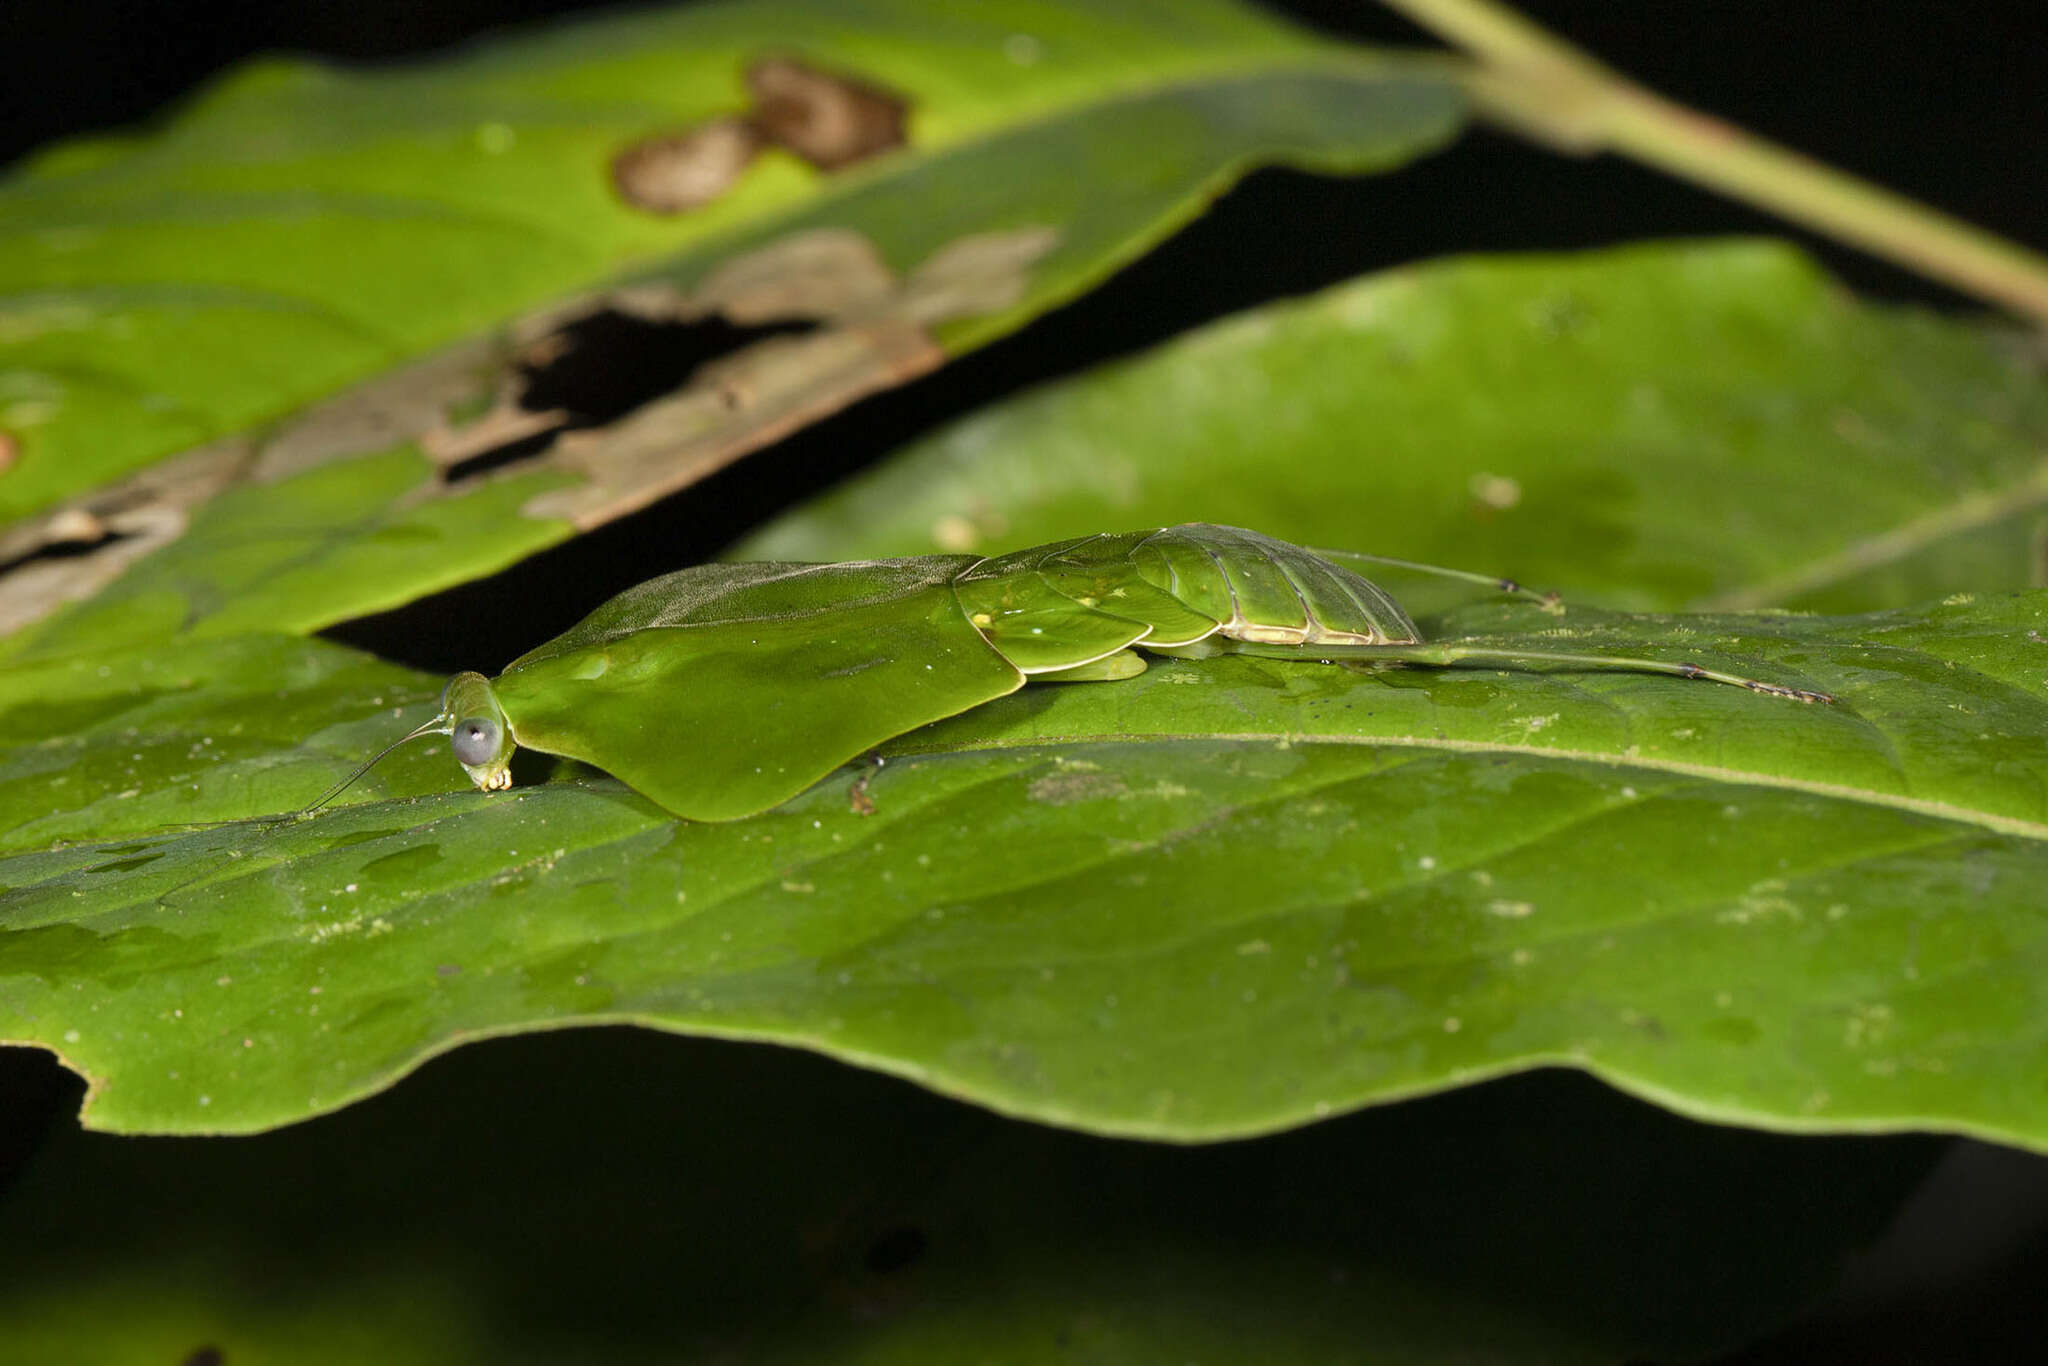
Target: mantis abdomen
(1072,610)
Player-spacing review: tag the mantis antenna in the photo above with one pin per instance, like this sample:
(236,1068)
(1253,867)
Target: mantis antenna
(269,826)
(440,725)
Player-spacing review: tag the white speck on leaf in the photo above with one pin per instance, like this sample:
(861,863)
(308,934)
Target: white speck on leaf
(1495,490)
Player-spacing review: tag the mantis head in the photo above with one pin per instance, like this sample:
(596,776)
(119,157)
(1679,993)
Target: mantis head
(477,731)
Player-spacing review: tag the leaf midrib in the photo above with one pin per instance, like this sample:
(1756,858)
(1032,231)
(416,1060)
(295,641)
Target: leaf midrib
(1920,806)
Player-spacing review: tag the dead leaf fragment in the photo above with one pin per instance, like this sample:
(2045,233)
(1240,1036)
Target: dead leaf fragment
(72,551)
(675,172)
(822,273)
(829,120)
(984,272)
(75,549)
(750,399)
(74,526)
(411,403)
(839,325)
(874,333)
(502,425)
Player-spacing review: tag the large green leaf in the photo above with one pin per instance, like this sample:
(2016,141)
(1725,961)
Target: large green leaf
(1221,898)
(301,229)
(758,1203)
(1657,426)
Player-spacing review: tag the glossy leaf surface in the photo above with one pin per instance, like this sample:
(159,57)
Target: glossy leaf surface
(1218,899)
(1655,427)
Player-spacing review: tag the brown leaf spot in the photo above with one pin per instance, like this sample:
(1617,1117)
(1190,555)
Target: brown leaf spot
(828,119)
(675,172)
(10,451)
(857,799)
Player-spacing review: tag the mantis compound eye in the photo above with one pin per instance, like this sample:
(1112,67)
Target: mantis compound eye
(475,740)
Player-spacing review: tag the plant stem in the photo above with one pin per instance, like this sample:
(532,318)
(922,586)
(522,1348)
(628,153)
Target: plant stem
(1555,93)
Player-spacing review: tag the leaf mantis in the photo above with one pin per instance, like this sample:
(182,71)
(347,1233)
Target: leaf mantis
(723,690)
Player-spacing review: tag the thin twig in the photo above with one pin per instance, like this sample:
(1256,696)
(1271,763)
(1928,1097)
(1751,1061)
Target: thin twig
(1555,93)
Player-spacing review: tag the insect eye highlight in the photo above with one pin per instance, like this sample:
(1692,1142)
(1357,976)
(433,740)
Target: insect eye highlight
(475,740)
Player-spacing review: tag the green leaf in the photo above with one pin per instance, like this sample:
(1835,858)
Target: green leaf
(1219,899)
(299,230)
(337,541)
(850,1218)
(1706,425)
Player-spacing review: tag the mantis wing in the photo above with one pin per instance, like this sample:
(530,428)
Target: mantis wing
(724,690)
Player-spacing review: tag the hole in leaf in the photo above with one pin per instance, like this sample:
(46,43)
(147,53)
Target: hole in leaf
(498,457)
(602,366)
(67,536)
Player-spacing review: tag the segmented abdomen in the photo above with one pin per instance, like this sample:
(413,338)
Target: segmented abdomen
(1170,587)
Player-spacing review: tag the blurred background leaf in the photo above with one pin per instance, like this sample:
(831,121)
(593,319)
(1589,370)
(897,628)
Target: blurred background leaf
(1650,427)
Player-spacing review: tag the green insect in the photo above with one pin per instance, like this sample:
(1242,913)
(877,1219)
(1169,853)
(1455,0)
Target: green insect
(723,690)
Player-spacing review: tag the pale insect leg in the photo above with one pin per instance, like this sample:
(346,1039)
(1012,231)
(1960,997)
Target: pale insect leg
(440,725)
(1509,586)
(1451,655)
(1109,668)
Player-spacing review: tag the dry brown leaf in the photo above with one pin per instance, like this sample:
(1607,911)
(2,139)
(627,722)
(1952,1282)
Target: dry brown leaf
(873,332)
(821,273)
(750,399)
(876,337)
(72,551)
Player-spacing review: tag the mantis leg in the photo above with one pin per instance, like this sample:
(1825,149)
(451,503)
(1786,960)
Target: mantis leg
(1509,586)
(1451,655)
(1109,668)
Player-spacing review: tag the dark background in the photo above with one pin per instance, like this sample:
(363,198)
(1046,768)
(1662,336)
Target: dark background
(1942,101)
(1939,100)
